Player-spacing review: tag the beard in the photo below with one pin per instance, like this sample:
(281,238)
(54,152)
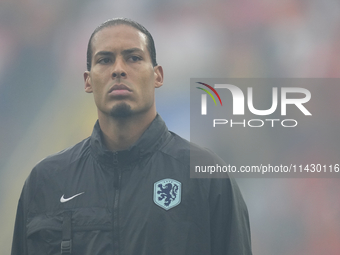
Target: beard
(121,111)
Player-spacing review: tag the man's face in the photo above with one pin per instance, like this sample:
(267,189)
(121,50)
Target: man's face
(122,77)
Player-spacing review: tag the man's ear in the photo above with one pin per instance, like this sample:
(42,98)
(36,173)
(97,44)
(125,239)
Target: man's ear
(87,80)
(159,76)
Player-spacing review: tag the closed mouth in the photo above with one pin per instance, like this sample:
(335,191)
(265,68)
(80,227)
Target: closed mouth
(119,87)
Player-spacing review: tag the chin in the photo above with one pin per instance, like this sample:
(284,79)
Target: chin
(121,110)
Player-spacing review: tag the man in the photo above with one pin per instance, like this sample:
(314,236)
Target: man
(127,188)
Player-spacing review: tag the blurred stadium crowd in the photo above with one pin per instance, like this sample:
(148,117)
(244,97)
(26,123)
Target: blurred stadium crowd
(43,108)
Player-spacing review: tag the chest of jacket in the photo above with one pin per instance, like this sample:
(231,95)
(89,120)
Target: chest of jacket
(148,207)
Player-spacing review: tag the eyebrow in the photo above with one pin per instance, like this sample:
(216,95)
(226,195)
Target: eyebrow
(103,53)
(128,51)
(124,52)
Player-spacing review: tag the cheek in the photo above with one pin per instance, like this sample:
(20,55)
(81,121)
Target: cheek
(147,90)
(148,83)
(98,83)
(98,91)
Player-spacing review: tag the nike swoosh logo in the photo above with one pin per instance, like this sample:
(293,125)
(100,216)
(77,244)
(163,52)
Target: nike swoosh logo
(63,200)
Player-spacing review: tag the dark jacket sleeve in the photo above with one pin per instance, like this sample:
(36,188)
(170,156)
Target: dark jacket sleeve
(19,236)
(19,244)
(230,230)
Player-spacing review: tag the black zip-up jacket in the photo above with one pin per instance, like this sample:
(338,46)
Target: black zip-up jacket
(90,201)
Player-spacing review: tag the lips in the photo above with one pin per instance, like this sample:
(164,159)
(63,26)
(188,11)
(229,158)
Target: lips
(119,87)
(120,90)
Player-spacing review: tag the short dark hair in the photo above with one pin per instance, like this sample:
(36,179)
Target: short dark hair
(123,21)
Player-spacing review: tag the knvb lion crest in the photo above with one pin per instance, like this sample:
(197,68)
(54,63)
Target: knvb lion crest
(167,193)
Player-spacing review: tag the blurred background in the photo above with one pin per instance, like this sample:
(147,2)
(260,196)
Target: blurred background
(44,109)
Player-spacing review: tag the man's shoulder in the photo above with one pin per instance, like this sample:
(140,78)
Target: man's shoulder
(65,157)
(183,149)
(53,168)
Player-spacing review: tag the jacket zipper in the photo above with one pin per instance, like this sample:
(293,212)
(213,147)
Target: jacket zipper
(116,185)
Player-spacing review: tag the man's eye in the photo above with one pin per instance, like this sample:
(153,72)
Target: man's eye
(104,61)
(135,58)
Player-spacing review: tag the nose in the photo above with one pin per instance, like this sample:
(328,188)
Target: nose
(118,74)
(118,69)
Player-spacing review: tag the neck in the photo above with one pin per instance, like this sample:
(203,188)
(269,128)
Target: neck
(122,133)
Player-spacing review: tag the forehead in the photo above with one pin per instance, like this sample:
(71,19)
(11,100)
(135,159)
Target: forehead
(118,37)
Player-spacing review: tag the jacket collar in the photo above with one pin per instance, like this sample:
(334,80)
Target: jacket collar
(151,140)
